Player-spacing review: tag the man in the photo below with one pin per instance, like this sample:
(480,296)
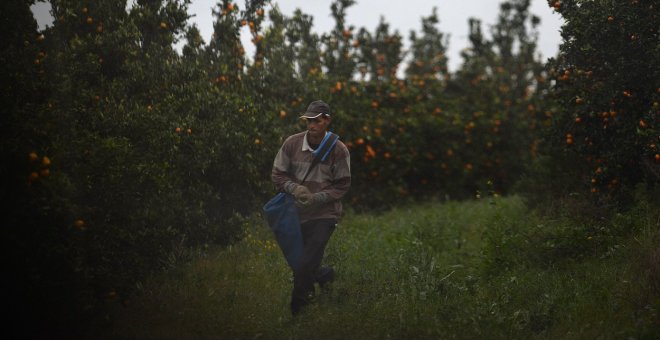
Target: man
(318,198)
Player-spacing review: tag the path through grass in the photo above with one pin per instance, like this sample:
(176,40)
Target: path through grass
(481,269)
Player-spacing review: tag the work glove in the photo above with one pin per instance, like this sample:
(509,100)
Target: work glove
(313,199)
(302,194)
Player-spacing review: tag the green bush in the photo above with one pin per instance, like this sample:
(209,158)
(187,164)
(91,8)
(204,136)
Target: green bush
(606,95)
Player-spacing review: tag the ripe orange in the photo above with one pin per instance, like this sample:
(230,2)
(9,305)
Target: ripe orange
(260,12)
(45,161)
(578,100)
(44,172)
(359,141)
(41,37)
(282,113)
(657,157)
(163,25)
(370,152)
(33,156)
(189,131)
(578,119)
(257,141)
(90,20)
(177,130)
(33,176)
(79,224)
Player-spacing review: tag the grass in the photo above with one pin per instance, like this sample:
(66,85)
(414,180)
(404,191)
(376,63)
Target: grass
(481,269)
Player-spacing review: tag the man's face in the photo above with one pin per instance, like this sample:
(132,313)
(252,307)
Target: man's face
(316,127)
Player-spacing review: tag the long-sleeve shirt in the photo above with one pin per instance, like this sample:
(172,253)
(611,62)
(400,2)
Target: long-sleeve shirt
(331,178)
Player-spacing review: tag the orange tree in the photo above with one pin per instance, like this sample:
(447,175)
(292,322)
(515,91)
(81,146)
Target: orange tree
(606,93)
(498,93)
(125,152)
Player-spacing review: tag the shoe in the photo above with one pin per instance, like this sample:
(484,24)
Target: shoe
(325,275)
(298,303)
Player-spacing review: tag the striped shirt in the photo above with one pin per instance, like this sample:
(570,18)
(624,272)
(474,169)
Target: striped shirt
(331,178)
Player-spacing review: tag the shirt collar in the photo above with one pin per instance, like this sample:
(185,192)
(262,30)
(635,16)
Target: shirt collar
(305,145)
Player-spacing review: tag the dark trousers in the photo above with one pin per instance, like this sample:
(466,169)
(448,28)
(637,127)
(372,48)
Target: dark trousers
(316,234)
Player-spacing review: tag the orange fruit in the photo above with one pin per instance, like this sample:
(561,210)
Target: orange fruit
(45,161)
(90,20)
(189,131)
(79,224)
(33,176)
(370,152)
(33,156)
(163,25)
(177,130)
(45,172)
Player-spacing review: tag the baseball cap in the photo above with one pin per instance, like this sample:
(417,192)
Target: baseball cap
(316,108)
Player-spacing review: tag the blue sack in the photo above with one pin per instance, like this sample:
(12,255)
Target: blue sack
(282,216)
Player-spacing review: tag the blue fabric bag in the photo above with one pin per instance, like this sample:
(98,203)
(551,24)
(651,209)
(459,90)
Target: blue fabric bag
(282,214)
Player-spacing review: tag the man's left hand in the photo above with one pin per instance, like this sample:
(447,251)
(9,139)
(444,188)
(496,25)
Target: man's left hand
(312,200)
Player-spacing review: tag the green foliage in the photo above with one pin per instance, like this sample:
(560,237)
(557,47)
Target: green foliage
(606,95)
(120,151)
(423,271)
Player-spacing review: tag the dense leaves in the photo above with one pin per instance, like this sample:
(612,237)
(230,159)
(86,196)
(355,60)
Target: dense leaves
(606,94)
(120,151)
